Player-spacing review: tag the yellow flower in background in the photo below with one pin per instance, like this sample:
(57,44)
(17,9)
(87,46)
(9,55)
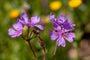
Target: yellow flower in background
(74,3)
(55,5)
(14,13)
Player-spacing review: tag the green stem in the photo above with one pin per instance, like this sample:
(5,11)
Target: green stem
(55,53)
(44,58)
(32,50)
(28,32)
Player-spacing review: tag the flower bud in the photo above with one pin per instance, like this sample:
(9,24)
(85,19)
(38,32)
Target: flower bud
(36,32)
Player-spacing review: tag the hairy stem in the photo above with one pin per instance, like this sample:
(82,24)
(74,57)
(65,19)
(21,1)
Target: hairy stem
(43,45)
(28,40)
(23,37)
(44,58)
(55,53)
(29,35)
(32,50)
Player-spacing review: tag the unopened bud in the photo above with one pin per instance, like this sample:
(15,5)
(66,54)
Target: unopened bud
(36,32)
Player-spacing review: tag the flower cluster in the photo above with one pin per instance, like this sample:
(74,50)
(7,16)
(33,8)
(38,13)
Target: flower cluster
(61,25)
(20,25)
(63,28)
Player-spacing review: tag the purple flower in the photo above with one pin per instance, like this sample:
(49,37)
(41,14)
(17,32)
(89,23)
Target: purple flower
(61,21)
(31,23)
(61,35)
(62,26)
(52,17)
(18,30)
(24,19)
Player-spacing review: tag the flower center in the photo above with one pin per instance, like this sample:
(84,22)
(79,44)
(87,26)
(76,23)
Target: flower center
(61,33)
(18,31)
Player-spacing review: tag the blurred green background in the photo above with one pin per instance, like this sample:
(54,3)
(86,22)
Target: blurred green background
(77,11)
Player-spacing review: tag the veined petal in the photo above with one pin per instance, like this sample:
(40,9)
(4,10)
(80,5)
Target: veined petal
(63,44)
(40,27)
(14,33)
(11,31)
(19,32)
(56,26)
(61,41)
(53,35)
(61,17)
(52,17)
(13,36)
(67,25)
(72,35)
(35,20)
(18,26)
(21,21)
(31,25)
(60,22)
(69,37)
(24,17)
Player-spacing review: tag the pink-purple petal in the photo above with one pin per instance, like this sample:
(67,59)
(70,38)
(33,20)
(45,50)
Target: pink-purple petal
(40,27)
(24,17)
(63,44)
(60,41)
(21,21)
(14,33)
(52,17)
(35,20)
(18,26)
(72,34)
(53,35)
(11,31)
(13,36)
(69,37)
(31,25)
(61,17)
(67,25)
(19,32)
(56,26)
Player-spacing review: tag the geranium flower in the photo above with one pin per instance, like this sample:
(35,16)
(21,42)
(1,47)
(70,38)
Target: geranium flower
(61,21)
(61,35)
(24,19)
(17,31)
(31,23)
(63,28)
